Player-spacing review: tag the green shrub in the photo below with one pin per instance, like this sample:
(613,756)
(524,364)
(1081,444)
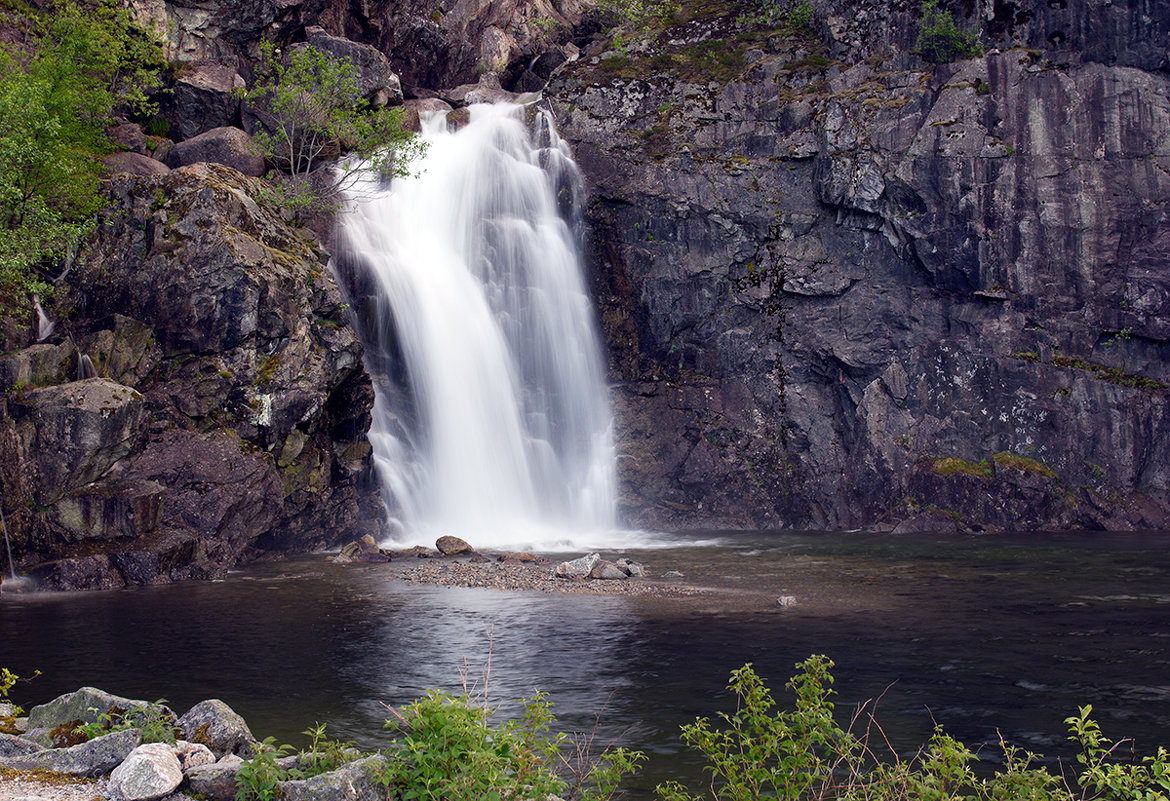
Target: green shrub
(156,722)
(258,777)
(448,751)
(940,39)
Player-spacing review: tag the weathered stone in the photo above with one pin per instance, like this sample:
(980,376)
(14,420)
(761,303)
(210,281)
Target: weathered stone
(129,136)
(223,145)
(577,568)
(786,601)
(214,724)
(13,745)
(150,771)
(193,755)
(452,546)
(375,77)
(134,164)
(607,570)
(92,758)
(87,705)
(356,781)
(202,98)
(217,780)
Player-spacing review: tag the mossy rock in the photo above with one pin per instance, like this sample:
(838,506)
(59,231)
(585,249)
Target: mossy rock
(953,465)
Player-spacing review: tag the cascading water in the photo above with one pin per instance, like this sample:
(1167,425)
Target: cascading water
(491,420)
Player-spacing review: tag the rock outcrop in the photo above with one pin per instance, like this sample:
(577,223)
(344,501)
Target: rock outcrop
(229,408)
(838,292)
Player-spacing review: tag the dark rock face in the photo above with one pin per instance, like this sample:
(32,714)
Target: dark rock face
(230,406)
(825,285)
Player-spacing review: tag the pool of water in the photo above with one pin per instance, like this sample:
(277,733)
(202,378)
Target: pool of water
(981,634)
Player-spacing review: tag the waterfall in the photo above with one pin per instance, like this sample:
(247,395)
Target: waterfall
(45,326)
(491,419)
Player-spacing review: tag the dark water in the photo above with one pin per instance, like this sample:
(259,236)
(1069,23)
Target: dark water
(1008,633)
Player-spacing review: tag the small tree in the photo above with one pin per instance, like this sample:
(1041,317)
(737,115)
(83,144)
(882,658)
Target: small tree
(941,40)
(56,102)
(313,112)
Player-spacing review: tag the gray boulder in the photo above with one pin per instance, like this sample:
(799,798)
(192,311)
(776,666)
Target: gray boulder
(86,705)
(204,97)
(11,745)
(217,780)
(216,725)
(92,758)
(224,145)
(607,570)
(193,755)
(149,772)
(377,80)
(353,782)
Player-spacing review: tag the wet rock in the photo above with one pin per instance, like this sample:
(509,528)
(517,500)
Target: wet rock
(150,771)
(786,601)
(92,758)
(225,145)
(672,574)
(362,550)
(632,568)
(452,546)
(214,724)
(930,521)
(520,558)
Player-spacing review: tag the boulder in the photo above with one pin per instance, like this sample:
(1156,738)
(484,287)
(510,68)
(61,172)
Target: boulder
(12,745)
(92,758)
(577,568)
(37,366)
(193,755)
(86,705)
(377,80)
(356,781)
(631,567)
(134,164)
(929,521)
(204,97)
(223,145)
(214,724)
(129,136)
(520,558)
(217,780)
(452,546)
(150,771)
(607,570)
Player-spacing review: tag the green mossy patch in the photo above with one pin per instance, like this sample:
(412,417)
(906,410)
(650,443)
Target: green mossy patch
(1024,464)
(953,465)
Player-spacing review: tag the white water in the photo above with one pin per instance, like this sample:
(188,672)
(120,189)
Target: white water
(45,326)
(503,434)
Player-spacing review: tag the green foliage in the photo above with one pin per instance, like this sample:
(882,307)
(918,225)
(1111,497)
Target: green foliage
(8,680)
(795,15)
(56,102)
(940,39)
(258,776)
(1102,777)
(636,19)
(448,751)
(759,752)
(312,107)
(155,722)
(324,754)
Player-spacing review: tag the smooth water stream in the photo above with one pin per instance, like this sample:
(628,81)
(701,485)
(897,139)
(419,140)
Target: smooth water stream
(492,415)
(1009,632)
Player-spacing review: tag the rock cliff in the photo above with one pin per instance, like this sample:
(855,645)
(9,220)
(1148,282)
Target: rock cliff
(206,402)
(842,286)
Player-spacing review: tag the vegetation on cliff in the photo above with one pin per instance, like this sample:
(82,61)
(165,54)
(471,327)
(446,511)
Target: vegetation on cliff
(57,98)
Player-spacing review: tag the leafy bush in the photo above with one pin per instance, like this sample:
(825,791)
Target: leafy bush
(88,60)
(803,754)
(449,752)
(796,15)
(156,722)
(313,111)
(258,777)
(940,39)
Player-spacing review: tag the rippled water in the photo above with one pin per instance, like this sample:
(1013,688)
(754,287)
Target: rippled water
(1008,632)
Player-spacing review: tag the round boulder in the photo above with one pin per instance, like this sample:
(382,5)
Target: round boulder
(149,772)
(225,145)
(452,546)
(216,725)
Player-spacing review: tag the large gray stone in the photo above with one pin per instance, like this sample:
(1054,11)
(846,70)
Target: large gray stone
(216,725)
(92,758)
(87,705)
(150,771)
(217,780)
(12,745)
(353,782)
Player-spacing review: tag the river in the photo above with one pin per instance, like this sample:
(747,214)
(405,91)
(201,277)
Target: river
(1006,633)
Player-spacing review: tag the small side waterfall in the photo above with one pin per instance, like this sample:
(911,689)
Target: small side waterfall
(45,326)
(492,421)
